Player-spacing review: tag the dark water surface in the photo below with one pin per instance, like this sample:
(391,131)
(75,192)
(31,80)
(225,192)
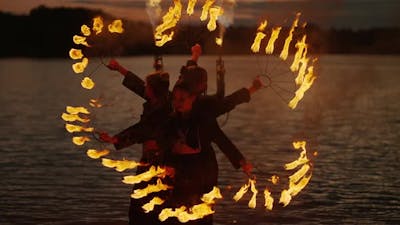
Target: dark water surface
(351,116)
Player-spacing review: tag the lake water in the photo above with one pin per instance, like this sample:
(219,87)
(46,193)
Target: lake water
(351,117)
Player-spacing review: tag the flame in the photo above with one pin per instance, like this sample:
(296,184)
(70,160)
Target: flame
(299,145)
(73,117)
(270,46)
(210,196)
(219,41)
(184,215)
(302,71)
(170,19)
(255,47)
(95,103)
(195,212)
(299,174)
(79,67)
(285,50)
(302,158)
(274,179)
(120,165)
(98,24)
(300,161)
(87,83)
(151,188)
(116,27)
(301,46)
(75,128)
(262,26)
(190,7)
(252,202)
(269,201)
(148,207)
(164,39)
(75,53)
(285,197)
(296,188)
(85,30)
(146,176)
(299,179)
(215,12)
(95,154)
(241,192)
(168,212)
(76,110)
(80,140)
(79,40)
(307,82)
(206,8)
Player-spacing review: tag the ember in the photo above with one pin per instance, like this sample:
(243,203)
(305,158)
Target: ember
(95,154)
(87,83)
(120,165)
(151,188)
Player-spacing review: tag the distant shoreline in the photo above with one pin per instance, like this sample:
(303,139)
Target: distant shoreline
(47,33)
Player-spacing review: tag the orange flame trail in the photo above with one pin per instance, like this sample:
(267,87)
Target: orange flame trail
(252,202)
(269,201)
(285,50)
(95,154)
(116,27)
(98,24)
(75,128)
(241,192)
(308,81)
(164,39)
(195,212)
(148,207)
(151,188)
(206,8)
(120,165)
(215,12)
(301,46)
(85,30)
(146,176)
(170,19)
(270,46)
(80,140)
(255,47)
(77,110)
(215,193)
(95,103)
(73,117)
(87,83)
(299,179)
(79,40)
(75,53)
(79,67)
(190,7)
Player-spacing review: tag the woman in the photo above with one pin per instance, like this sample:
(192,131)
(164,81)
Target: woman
(155,109)
(191,130)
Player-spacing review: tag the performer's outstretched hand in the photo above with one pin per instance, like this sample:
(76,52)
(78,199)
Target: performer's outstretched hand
(114,65)
(107,138)
(256,85)
(196,52)
(247,167)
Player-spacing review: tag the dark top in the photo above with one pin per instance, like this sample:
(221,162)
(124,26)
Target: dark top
(197,168)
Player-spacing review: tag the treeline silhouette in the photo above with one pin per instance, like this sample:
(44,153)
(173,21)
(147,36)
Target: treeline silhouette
(48,32)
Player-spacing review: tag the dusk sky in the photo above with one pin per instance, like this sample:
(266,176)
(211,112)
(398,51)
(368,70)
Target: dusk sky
(356,14)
